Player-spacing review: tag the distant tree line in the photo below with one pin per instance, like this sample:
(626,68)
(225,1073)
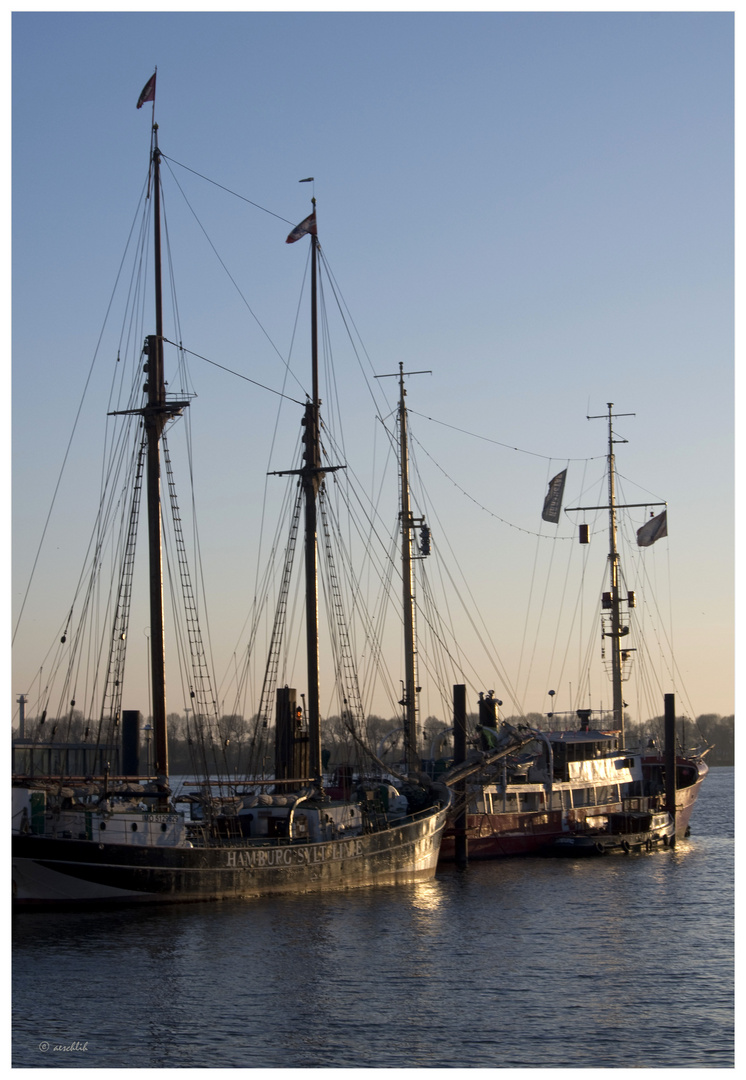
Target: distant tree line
(710,729)
(236,742)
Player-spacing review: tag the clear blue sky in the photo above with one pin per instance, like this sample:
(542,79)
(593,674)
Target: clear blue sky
(536,206)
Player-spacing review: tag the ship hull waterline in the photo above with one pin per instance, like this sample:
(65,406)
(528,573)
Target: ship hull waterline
(58,872)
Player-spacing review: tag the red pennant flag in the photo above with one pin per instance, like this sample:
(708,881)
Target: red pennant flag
(148,92)
(305,227)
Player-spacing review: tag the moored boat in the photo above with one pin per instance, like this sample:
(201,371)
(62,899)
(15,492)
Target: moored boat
(624,832)
(117,836)
(552,788)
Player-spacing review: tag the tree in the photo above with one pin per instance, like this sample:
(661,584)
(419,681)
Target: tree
(437,738)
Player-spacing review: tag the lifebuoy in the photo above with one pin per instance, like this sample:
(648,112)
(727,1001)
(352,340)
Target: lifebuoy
(625,847)
(599,848)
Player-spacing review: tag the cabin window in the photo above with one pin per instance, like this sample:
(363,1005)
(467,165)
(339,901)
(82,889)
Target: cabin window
(529,800)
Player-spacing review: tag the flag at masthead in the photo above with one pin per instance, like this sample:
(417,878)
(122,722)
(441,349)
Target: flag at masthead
(305,227)
(148,92)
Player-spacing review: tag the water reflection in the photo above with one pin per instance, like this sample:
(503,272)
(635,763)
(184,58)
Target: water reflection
(500,966)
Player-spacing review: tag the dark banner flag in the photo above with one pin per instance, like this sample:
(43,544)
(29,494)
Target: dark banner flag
(147,93)
(553,501)
(652,530)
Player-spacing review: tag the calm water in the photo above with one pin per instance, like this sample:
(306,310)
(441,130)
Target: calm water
(616,962)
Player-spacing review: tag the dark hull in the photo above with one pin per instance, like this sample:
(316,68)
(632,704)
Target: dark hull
(495,836)
(584,846)
(49,871)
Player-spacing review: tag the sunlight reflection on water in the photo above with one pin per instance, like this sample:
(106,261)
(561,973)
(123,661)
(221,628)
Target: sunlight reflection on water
(518,963)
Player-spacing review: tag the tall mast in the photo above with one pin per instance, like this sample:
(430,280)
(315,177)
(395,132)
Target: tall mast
(154,415)
(311,476)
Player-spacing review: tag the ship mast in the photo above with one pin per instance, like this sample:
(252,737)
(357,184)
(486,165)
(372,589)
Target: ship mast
(409,701)
(311,477)
(616,643)
(407,525)
(156,412)
(154,417)
(612,600)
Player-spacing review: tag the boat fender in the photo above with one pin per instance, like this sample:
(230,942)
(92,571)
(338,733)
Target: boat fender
(625,847)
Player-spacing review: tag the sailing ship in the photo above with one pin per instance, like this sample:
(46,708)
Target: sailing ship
(524,791)
(85,832)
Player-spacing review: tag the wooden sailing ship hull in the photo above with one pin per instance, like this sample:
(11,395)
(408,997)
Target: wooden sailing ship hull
(501,835)
(49,871)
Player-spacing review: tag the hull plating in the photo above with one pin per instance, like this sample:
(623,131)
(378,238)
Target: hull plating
(48,871)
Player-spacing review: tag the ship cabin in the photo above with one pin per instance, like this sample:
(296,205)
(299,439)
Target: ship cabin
(575,753)
(564,770)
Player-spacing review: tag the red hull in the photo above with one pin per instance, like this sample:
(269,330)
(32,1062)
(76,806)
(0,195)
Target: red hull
(496,836)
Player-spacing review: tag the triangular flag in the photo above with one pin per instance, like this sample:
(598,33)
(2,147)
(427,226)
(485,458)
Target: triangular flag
(148,92)
(305,227)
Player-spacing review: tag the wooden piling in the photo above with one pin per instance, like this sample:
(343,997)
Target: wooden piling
(459,754)
(670,758)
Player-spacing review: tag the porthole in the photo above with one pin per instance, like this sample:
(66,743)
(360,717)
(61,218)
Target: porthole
(102,825)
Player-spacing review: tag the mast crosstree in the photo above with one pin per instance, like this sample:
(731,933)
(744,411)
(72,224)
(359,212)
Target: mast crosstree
(408,524)
(616,630)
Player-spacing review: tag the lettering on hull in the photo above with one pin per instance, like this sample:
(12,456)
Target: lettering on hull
(68,871)
(293,856)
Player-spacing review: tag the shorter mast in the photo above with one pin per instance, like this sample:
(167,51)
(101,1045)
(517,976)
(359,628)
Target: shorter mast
(617,630)
(407,524)
(409,701)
